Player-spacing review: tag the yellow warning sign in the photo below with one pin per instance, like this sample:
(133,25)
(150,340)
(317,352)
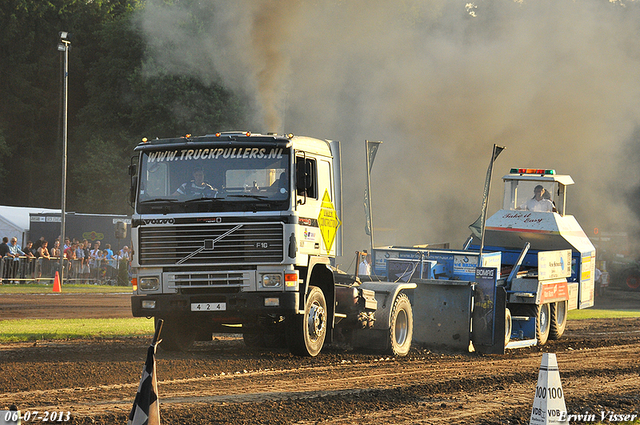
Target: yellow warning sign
(328,221)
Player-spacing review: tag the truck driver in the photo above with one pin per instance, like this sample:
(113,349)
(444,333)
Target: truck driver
(196,187)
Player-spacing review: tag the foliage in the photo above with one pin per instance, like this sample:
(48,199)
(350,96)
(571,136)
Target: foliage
(113,102)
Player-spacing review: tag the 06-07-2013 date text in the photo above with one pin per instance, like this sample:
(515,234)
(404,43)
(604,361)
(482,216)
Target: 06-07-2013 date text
(13,416)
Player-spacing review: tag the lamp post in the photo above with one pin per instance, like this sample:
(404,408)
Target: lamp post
(64,46)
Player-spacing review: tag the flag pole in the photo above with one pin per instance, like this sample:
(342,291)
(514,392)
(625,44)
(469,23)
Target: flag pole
(368,197)
(156,335)
(370,150)
(485,199)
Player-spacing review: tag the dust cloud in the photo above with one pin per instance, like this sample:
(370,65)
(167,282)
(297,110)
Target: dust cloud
(439,82)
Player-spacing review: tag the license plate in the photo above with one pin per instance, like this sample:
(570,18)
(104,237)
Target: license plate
(208,306)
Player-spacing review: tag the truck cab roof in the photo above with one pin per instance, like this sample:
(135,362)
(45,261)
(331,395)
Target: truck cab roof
(231,138)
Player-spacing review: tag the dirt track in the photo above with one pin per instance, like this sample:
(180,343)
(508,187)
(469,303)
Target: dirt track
(223,382)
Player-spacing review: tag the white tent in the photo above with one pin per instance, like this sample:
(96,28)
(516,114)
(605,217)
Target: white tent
(14,221)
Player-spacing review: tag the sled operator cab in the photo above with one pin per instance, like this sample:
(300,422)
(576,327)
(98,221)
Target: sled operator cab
(534,214)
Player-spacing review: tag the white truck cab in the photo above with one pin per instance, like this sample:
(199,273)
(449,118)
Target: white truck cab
(237,232)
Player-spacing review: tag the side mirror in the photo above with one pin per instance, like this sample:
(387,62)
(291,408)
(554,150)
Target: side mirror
(133,173)
(121,230)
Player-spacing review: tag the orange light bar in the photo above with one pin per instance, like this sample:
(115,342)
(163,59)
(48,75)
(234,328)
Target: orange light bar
(134,283)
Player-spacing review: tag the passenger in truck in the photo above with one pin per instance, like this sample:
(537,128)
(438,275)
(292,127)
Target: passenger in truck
(280,185)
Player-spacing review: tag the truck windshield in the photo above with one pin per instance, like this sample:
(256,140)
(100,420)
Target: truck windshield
(530,195)
(214,179)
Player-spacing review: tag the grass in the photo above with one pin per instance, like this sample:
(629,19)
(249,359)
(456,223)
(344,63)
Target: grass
(67,288)
(591,313)
(39,329)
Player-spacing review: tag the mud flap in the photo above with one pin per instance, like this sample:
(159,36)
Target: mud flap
(488,322)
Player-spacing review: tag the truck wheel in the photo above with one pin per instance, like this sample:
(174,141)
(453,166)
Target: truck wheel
(542,314)
(177,335)
(558,319)
(306,333)
(401,330)
(507,326)
(632,281)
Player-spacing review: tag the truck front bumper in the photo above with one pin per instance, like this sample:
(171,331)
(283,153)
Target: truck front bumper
(235,305)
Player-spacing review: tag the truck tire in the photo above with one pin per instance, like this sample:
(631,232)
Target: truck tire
(401,329)
(306,333)
(177,335)
(542,314)
(558,318)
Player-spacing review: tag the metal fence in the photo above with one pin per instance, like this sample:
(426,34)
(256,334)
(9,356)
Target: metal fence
(100,272)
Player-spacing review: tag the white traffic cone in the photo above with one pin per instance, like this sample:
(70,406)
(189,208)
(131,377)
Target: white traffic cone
(548,404)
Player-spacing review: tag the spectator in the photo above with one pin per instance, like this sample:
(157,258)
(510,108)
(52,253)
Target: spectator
(5,254)
(43,255)
(108,252)
(86,270)
(4,247)
(15,249)
(54,252)
(364,268)
(38,244)
(111,262)
(124,253)
(15,252)
(79,263)
(28,250)
(43,251)
(96,258)
(70,255)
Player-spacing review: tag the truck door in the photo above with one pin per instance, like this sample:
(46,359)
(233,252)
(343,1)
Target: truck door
(314,190)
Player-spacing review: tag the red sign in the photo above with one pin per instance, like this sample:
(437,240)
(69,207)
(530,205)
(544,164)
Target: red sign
(551,292)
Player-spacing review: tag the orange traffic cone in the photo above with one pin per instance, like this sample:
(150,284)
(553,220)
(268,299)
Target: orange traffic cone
(56,283)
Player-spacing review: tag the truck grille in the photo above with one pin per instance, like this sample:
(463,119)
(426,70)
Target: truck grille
(195,244)
(218,279)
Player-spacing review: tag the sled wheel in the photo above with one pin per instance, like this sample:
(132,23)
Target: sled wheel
(401,329)
(558,318)
(306,333)
(542,314)
(507,326)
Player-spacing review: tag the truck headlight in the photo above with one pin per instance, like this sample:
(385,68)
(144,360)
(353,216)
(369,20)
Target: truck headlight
(271,280)
(149,283)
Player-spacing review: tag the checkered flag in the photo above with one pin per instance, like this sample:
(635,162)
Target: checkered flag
(146,407)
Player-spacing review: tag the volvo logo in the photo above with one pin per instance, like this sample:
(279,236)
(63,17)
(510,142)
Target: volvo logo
(159,221)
